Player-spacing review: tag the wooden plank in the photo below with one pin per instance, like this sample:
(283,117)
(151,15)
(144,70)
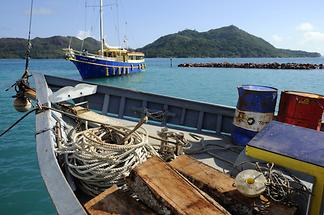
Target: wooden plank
(158,185)
(219,123)
(114,201)
(121,107)
(85,114)
(201,172)
(105,104)
(221,187)
(200,120)
(183,115)
(165,117)
(79,110)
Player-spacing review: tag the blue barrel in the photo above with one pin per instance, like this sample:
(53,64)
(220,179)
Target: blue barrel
(255,108)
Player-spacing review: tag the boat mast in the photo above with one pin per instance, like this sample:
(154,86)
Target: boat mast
(101,27)
(27,54)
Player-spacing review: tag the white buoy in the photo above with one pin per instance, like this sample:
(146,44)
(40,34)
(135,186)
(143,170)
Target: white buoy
(22,104)
(250,183)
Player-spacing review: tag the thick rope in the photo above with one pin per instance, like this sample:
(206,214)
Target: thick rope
(103,156)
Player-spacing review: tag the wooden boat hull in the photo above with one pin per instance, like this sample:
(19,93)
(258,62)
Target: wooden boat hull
(126,105)
(57,186)
(212,123)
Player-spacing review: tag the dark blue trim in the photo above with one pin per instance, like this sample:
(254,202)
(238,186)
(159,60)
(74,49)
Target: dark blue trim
(241,136)
(88,67)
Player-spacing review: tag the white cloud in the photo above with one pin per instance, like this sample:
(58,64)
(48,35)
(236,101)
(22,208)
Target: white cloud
(311,39)
(314,36)
(305,26)
(277,38)
(83,34)
(41,11)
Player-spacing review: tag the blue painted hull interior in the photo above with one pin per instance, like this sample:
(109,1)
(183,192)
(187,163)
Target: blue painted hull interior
(90,67)
(241,136)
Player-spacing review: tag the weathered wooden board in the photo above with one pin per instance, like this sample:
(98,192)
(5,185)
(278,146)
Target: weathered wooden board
(115,201)
(221,187)
(158,185)
(86,114)
(89,115)
(203,173)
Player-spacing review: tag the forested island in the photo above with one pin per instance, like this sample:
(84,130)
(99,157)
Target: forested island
(227,41)
(50,47)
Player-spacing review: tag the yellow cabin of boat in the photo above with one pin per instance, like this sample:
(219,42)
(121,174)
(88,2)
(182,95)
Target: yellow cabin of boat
(122,54)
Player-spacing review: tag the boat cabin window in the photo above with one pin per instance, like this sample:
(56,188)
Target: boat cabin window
(136,57)
(110,54)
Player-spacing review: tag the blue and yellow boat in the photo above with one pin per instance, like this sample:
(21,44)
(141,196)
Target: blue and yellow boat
(113,62)
(107,62)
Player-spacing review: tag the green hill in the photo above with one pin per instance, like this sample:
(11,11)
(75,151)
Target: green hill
(227,41)
(44,47)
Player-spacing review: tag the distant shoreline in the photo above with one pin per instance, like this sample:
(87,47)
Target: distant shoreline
(226,42)
(295,66)
(57,58)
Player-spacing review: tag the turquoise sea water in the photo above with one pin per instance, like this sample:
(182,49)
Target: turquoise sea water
(22,190)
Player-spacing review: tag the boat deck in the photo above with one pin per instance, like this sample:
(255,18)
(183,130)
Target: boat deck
(196,121)
(215,150)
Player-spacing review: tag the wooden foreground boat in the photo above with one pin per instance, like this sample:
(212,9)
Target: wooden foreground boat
(187,185)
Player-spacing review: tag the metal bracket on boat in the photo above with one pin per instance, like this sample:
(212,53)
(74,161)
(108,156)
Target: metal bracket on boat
(42,107)
(159,115)
(69,92)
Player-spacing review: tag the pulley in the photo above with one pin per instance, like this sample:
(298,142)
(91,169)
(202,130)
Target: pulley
(30,93)
(250,183)
(22,104)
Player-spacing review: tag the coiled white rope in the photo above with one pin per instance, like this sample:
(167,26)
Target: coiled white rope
(103,156)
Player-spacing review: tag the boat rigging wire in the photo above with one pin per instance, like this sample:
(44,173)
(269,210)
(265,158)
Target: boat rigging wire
(85,23)
(15,123)
(26,75)
(22,85)
(118,26)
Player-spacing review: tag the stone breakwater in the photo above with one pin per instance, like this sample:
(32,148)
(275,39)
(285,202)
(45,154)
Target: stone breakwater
(306,66)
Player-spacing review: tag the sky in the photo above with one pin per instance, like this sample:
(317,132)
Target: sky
(289,24)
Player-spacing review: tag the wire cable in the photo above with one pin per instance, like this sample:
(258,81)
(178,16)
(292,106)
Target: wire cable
(15,123)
